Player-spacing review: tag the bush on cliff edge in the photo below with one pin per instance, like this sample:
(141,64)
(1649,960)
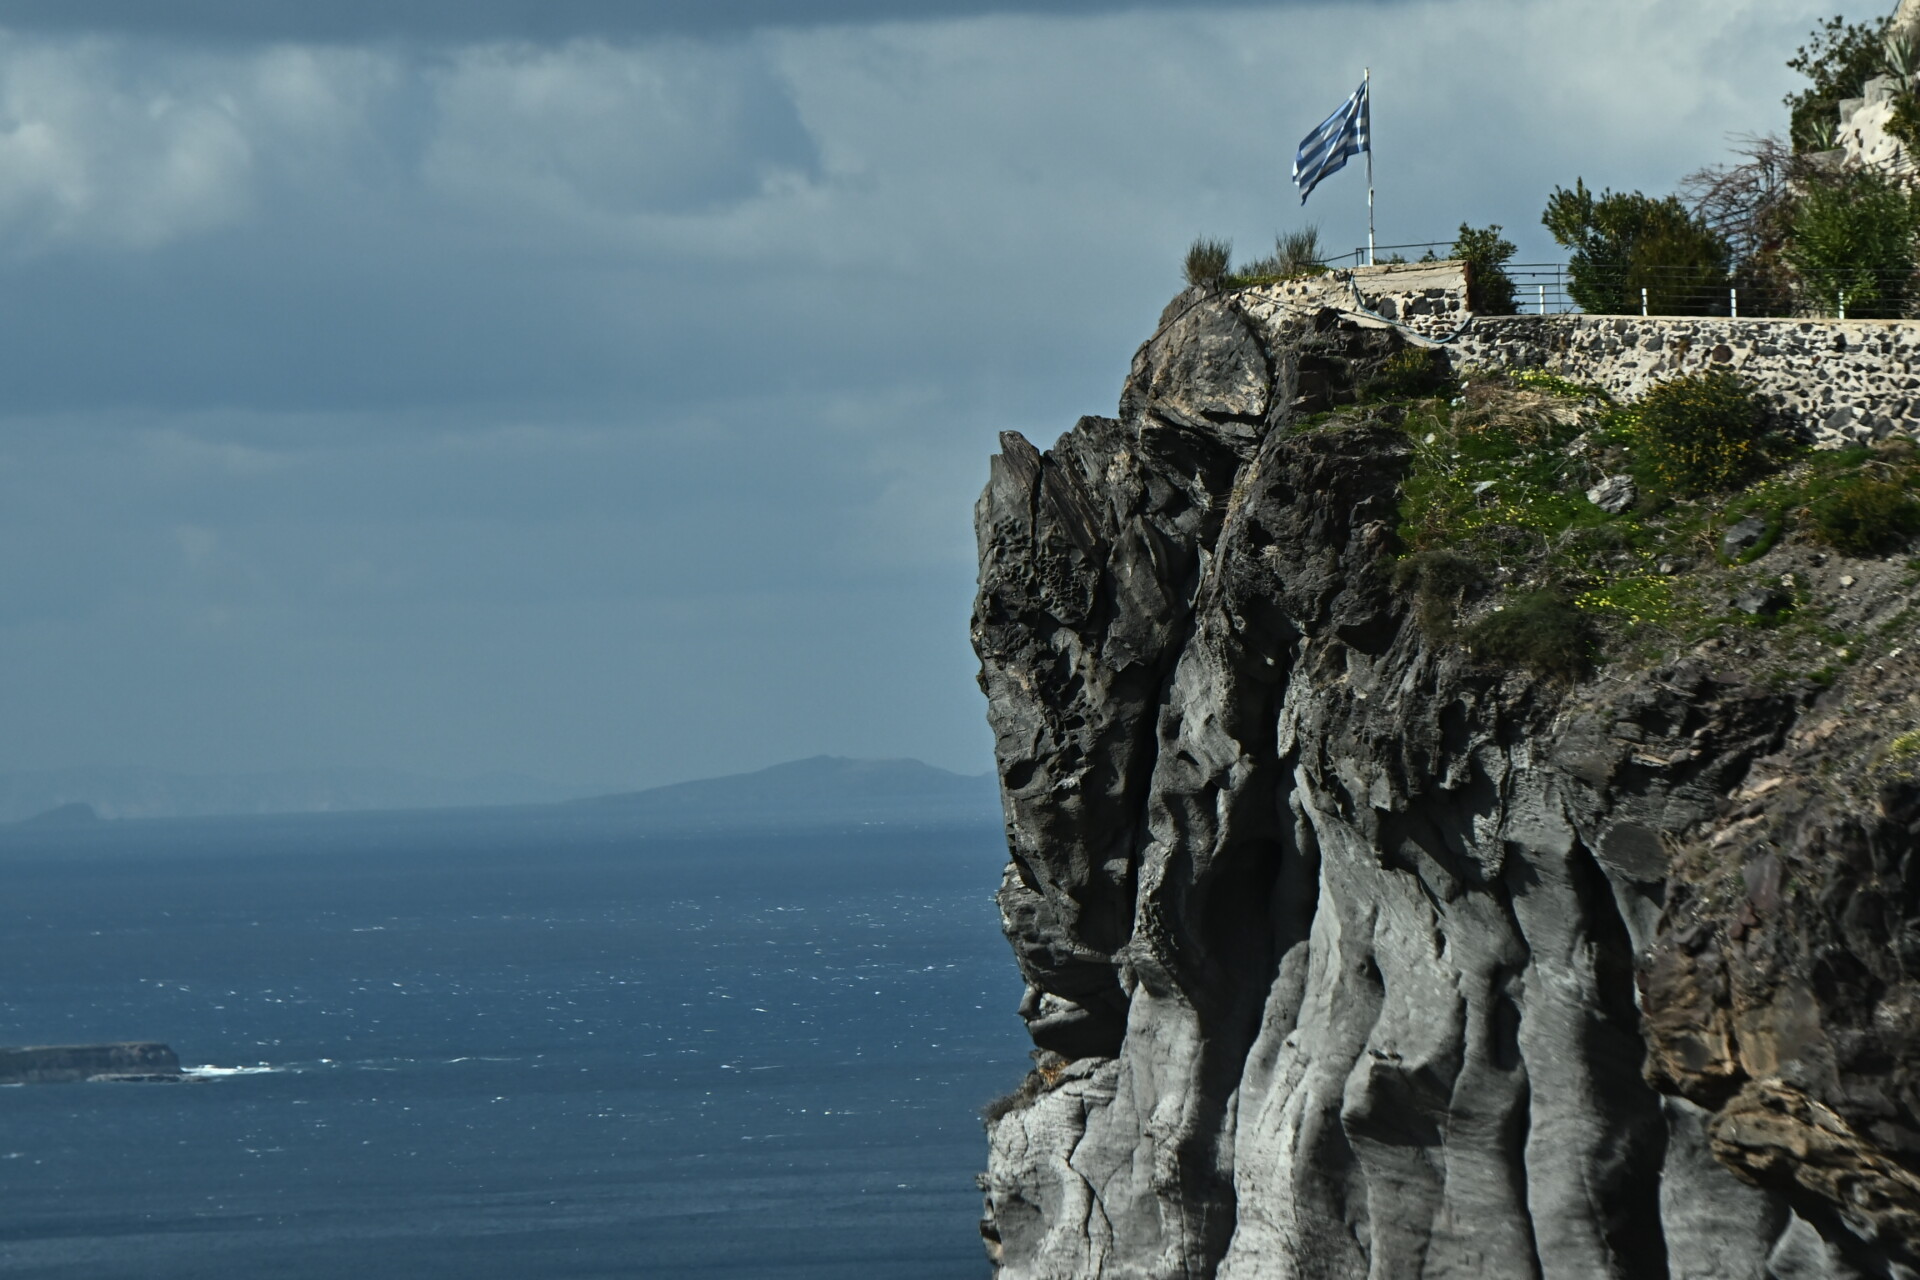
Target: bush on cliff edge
(1872,504)
(1540,631)
(1486,253)
(1702,433)
(1208,261)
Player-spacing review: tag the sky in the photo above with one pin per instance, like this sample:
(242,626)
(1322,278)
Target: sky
(599,390)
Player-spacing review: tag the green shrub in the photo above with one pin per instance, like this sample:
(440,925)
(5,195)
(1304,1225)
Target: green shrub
(1625,242)
(1902,61)
(1852,243)
(1048,1067)
(1904,123)
(1864,514)
(1539,631)
(1294,253)
(1208,262)
(1408,373)
(1440,582)
(1486,253)
(1701,433)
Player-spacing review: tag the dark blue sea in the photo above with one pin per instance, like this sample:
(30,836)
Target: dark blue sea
(531,1043)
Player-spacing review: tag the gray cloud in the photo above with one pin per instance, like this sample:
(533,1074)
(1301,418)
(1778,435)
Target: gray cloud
(485,20)
(613,408)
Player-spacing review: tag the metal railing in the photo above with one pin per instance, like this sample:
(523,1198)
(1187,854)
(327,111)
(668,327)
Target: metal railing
(1540,288)
(1382,254)
(1557,289)
(1554,288)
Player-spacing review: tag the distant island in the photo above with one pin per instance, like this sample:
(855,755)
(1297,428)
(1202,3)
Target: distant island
(134,1061)
(111,792)
(831,789)
(75,813)
(822,788)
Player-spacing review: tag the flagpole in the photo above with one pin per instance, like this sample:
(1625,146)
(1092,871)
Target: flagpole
(1368,79)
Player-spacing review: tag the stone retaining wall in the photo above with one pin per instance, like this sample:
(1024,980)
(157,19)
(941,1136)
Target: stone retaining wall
(1840,381)
(1428,297)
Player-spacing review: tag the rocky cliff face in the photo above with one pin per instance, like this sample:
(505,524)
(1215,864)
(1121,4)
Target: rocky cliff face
(1348,955)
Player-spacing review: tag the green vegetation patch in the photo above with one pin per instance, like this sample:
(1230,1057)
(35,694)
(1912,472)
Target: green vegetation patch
(1486,253)
(1864,514)
(1409,373)
(1493,478)
(1508,556)
(1837,60)
(1852,244)
(1860,501)
(1207,263)
(1441,582)
(1627,246)
(1554,385)
(1295,254)
(1703,433)
(1538,630)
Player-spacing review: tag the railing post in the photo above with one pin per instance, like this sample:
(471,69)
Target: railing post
(1643,300)
(1733,303)
(1843,306)
(1543,299)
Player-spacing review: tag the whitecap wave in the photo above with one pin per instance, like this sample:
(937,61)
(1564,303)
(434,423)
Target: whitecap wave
(211,1072)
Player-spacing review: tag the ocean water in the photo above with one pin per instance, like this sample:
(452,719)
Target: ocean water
(504,1044)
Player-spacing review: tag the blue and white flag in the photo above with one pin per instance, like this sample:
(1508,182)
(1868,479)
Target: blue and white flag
(1341,136)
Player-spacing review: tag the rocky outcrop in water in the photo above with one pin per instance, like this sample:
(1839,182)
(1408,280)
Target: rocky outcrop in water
(67,1063)
(1348,955)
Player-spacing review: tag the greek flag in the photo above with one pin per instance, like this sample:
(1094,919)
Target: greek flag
(1345,133)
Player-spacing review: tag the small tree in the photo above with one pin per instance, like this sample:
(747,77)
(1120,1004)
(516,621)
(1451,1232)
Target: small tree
(1838,60)
(1626,242)
(1749,204)
(1852,244)
(1486,253)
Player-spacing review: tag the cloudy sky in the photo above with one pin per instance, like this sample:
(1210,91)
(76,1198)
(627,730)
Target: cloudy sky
(598,389)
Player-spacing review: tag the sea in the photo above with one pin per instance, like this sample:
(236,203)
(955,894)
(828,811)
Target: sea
(530,1043)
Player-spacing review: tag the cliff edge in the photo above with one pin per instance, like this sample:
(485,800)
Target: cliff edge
(1359,943)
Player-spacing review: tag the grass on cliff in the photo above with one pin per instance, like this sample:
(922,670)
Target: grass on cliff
(1209,262)
(1510,557)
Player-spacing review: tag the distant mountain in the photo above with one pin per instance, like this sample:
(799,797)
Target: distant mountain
(77,814)
(824,789)
(153,793)
(821,789)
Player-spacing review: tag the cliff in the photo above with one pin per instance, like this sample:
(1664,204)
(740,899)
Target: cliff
(1360,943)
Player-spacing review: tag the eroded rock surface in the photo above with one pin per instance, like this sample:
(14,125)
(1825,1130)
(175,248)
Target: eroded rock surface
(1348,957)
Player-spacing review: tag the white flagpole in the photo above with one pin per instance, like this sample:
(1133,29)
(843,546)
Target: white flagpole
(1368,81)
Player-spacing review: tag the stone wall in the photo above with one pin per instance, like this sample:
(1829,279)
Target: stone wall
(1839,381)
(1429,298)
